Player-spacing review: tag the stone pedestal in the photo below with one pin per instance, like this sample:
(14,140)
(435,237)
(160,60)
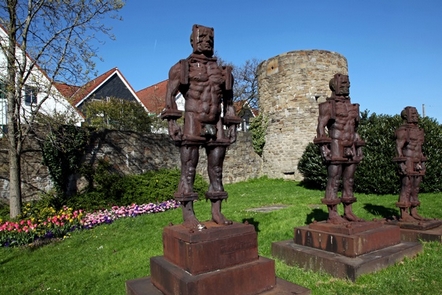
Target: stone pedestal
(345,250)
(218,260)
(426,230)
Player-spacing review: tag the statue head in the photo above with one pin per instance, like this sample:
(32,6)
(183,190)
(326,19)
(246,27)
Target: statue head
(410,115)
(340,85)
(202,40)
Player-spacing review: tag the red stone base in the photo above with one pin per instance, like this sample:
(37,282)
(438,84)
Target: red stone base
(341,266)
(249,278)
(351,239)
(415,235)
(144,286)
(218,260)
(210,249)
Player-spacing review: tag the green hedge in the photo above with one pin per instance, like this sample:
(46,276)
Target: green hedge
(112,189)
(377,173)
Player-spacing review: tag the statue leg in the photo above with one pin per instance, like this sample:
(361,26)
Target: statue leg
(216,193)
(414,197)
(185,194)
(347,192)
(331,194)
(404,199)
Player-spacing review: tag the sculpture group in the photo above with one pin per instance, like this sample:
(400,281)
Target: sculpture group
(210,121)
(219,256)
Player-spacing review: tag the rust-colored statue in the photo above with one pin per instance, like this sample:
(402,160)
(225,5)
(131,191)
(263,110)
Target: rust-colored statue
(409,140)
(207,89)
(341,148)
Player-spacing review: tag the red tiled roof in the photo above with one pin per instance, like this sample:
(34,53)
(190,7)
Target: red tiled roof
(154,97)
(65,89)
(239,105)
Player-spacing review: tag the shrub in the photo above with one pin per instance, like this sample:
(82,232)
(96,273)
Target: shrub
(312,168)
(156,186)
(432,149)
(112,189)
(377,173)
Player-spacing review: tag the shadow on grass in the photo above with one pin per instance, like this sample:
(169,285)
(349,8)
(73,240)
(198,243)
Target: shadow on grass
(382,211)
(316,214)
(253,222)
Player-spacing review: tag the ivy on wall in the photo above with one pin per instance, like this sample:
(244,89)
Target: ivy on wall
(258,127)
(62,151)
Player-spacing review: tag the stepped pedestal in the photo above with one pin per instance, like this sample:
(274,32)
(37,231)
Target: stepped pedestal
(425,230)
(218,260)
(345,250)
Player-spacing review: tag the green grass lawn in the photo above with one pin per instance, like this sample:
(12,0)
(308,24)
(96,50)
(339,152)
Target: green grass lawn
(99,261)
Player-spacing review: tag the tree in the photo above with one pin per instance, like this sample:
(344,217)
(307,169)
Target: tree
(117,114)
(245,87)
(54,36)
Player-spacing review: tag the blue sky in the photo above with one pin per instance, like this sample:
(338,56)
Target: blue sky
(393,47)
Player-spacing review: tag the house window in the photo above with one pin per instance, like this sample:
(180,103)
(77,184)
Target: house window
(2,90)
(30,95)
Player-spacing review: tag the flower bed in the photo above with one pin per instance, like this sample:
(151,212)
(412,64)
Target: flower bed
(61,223)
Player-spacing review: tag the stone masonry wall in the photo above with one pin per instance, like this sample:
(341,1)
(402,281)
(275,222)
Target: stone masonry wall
(129,153)
(291,86)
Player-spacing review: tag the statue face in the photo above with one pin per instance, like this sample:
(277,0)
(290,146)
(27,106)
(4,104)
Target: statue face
(202,40)
(342,85)
(412,116)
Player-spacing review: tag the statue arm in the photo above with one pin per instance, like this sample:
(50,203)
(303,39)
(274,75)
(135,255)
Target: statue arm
(171,112)
(173,85)
(230,119)
(401,140)
(323,118)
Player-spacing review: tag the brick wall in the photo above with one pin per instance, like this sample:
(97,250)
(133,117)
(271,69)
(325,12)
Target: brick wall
(129,153)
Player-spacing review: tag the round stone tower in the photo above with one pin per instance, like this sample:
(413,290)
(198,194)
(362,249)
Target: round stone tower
(291,86)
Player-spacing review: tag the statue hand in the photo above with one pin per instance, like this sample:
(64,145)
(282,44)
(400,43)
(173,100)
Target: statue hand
(403,168)
(231,133)
(325,152)
(175,131)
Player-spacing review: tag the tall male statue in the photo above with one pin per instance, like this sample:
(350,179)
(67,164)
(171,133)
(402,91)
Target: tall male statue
(341,148)
(409,141)
(207,89)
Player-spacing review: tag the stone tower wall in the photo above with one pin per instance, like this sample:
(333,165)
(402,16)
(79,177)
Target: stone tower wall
(291,86)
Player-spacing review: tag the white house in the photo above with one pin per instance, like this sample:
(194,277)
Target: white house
(39,91)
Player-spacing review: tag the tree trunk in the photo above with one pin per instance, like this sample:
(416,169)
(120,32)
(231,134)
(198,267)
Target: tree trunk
(14,182)
(13,96)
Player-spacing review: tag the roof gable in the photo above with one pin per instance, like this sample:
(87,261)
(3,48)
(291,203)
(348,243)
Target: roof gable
(94,86)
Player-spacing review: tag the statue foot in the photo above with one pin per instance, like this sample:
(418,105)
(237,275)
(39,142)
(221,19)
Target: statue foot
(415,215)
(193,223)
(352,217)
(349,215)
(190,220)
(221,219)
(335,218)
(217,216)
(406,217)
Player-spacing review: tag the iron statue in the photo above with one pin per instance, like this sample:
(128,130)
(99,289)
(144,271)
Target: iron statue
(341,148)
(409,141)
(209,121)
